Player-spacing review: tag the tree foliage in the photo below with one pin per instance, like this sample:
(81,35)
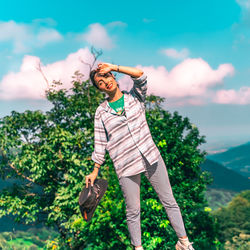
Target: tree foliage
(51,153)
(234,222)
(32,239)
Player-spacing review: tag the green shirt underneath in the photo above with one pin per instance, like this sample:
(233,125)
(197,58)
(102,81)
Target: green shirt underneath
(118,106)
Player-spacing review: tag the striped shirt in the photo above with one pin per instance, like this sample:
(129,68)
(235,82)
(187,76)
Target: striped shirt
(127,136)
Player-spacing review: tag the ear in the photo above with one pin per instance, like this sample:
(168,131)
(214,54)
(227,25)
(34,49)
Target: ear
(113,75)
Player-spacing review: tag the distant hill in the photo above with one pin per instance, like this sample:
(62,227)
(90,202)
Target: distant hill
(225,178)
(235,158)
(219,197)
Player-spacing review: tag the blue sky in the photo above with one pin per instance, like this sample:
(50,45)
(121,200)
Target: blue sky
(195,53)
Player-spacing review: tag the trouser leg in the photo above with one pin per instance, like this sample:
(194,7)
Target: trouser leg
(131,191)
(158,176)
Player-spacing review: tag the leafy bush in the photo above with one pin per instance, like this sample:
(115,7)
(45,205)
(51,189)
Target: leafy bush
(51,152)
(233,220)
(27,239)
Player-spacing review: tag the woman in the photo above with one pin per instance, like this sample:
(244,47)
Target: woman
(121,129)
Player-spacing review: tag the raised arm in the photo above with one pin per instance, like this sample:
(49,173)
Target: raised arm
(107,67)
(139,89)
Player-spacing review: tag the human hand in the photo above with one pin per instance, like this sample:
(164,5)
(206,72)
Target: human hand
(91,178)
(104,68)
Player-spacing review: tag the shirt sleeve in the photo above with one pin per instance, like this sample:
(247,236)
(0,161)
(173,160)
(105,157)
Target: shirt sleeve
(139,88)
(100,140)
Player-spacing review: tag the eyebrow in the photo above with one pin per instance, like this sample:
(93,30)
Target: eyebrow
(107,74)
(100,81)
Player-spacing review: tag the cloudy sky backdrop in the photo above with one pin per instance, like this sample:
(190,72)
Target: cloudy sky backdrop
(195,53)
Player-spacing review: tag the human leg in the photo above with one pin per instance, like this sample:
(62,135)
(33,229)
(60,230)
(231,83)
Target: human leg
(158,177)
(131,191)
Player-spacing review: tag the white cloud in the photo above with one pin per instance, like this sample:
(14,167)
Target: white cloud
(24,37)
(45,21)
(29,82)
(17,33)
(173,53)
(97,36)
(241,29)
(244,3)
(245,18)
(190,82)
(116,24)
(48,35)
(12,30)
(231,96)
(192,77)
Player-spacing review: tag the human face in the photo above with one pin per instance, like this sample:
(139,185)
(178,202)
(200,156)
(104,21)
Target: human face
(106,82)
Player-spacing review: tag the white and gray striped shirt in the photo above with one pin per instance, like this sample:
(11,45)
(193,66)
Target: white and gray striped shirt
(127,136)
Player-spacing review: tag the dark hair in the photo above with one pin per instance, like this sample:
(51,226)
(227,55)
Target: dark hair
(92,77)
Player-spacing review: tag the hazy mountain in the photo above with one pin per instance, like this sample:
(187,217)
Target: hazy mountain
(235,158)
(225,178)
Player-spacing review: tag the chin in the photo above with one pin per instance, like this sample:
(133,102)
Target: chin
(112,90)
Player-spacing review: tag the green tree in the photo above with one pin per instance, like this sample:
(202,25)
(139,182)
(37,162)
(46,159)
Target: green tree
(234,223)
(51,153)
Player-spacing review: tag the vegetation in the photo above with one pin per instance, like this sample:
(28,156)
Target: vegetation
(218,197)
(234,222)
(32,239)
(51,152)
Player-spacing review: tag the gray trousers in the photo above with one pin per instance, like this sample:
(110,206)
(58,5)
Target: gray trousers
(158,177)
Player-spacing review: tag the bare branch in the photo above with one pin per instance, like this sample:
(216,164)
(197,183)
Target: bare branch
(44,77)
(12,166)
(25,177)
(30,194)
(95,53)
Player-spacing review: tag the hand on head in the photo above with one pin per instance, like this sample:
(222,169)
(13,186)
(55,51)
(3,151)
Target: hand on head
(104,68)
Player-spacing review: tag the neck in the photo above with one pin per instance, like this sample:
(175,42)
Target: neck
(115,96)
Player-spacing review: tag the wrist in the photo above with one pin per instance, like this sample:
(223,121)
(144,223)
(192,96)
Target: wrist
(96,170)
(115,68)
